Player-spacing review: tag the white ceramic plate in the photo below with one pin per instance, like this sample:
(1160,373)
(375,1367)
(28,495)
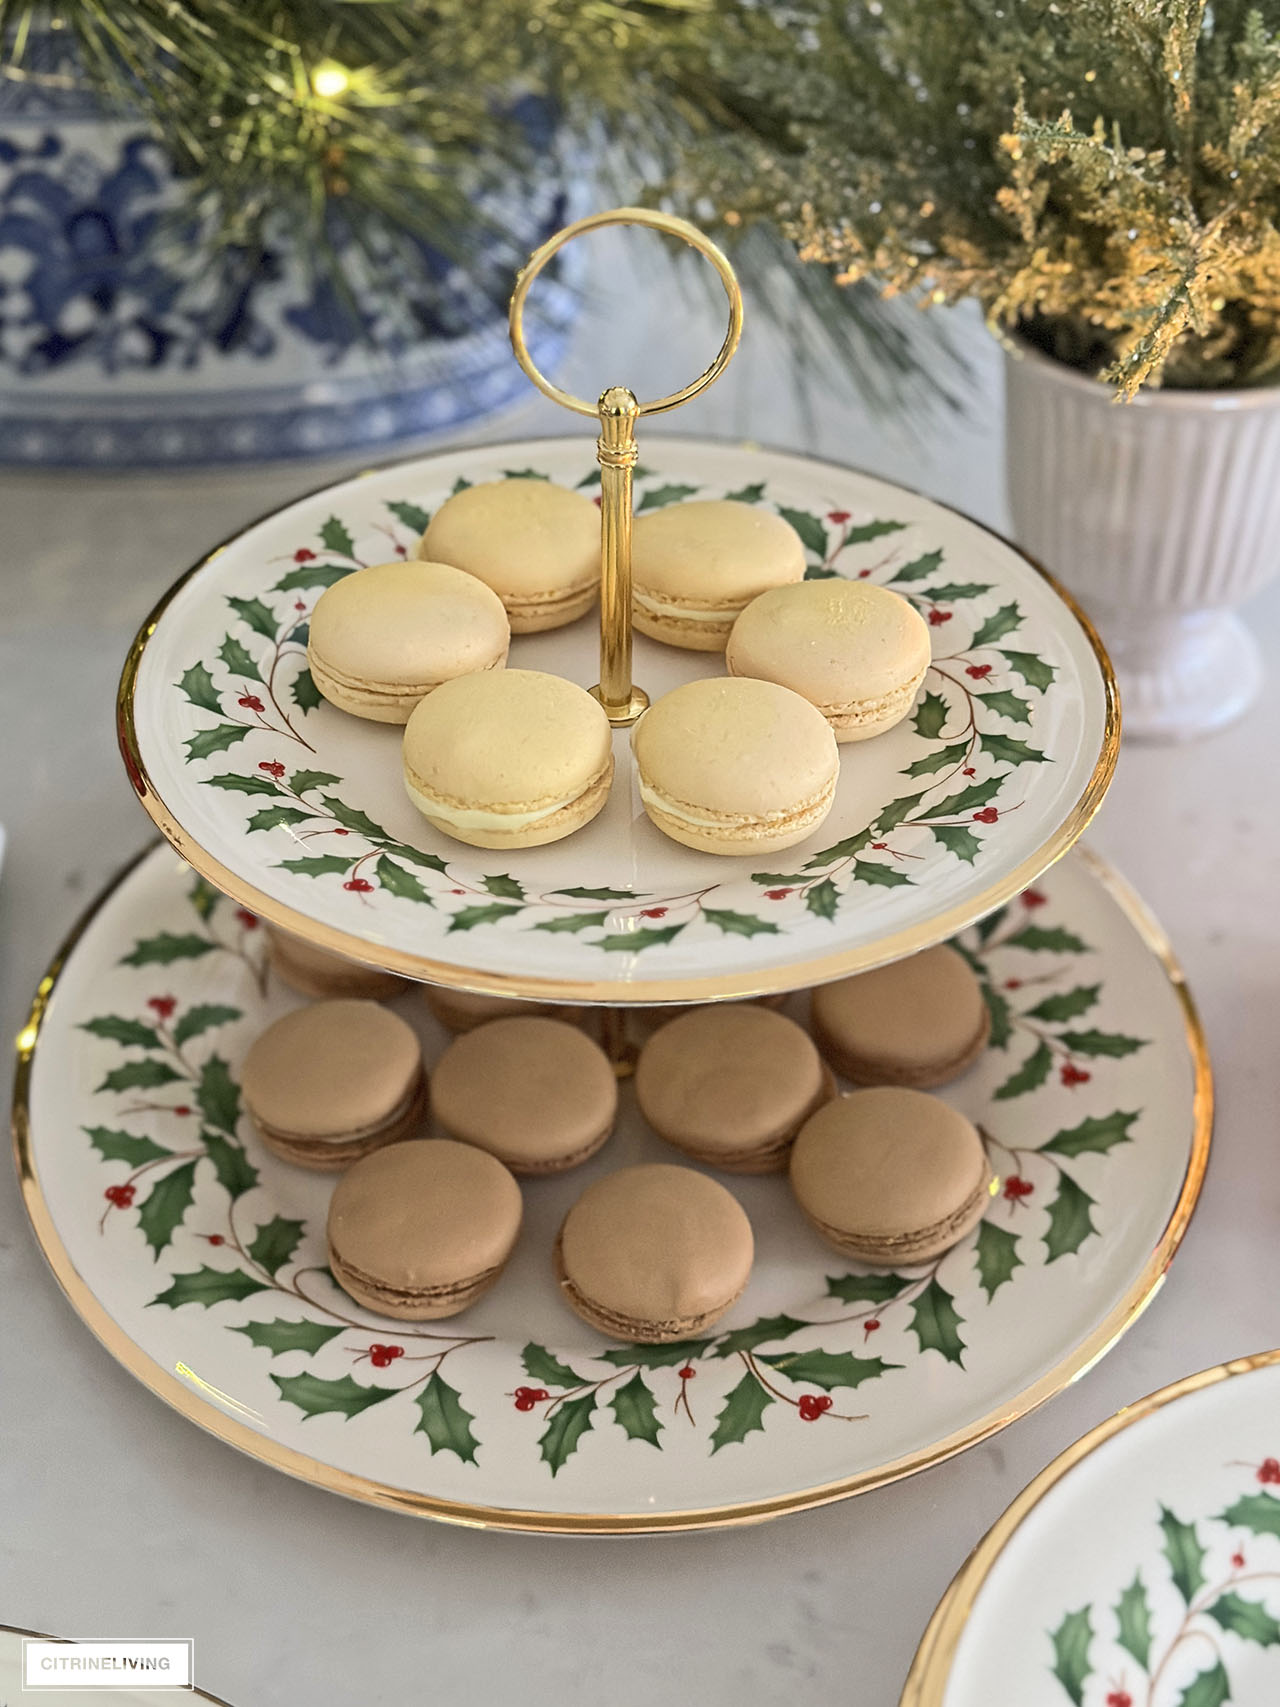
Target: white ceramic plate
(199,1259)
(299,811)
(1141,1569)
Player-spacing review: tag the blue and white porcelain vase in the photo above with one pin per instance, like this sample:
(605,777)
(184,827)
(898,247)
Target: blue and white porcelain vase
(115,350)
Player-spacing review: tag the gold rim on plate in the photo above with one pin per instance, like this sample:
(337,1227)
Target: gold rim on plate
(931,1668)
(208,1416)
(731,985)
(194,1690)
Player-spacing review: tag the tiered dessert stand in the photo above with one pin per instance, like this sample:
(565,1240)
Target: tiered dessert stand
(200,1260)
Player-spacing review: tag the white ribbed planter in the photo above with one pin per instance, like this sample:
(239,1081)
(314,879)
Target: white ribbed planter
(1161,515)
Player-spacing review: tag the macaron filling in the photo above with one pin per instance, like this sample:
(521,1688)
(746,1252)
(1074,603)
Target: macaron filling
(622,1326)
(399,693)
(339,1148)
(396,1298)
(917,1245)
(497,818)
(740,823)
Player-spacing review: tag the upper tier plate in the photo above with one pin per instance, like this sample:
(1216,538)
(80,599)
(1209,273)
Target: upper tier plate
(299,811)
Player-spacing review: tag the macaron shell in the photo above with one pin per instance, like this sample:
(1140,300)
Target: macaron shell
(330,1155)
(463,1010)
(918,1022)
(333,1070)
(315,972)
(537,1093)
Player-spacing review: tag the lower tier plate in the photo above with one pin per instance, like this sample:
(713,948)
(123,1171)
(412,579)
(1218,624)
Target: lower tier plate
(199,1260)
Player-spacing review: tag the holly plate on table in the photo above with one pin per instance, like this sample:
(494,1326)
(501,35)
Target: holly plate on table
(1141,1569)
(199,1259)
(299,811)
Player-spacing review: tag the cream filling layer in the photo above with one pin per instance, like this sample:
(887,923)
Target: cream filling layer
(474,818)
(711,821)
(685,613)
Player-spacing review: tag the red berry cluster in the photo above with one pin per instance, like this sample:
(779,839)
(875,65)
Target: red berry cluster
(273,767)
(687,1373)
(812,1405)
(119,1195)
(978,671)
(1015,1188)
(383,1356)
(251,702)
(162,1006)
(938,617)
(527,1397)
(361,885)
(988,815)
(1073,1075)
(1269,1470)
(1119,1698)
(248,921)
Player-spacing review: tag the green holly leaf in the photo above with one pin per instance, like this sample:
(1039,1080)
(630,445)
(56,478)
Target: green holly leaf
(415,856)
(931,716)
(1133,1621)
(1069,1005)
(271,817)
(820,572)
(882,876)
(316,1397)
(1029,1076)
(144,1075)
(535,474)
(413,516)
(116,1146)
(1185,1554)
(165,1206)
(628,942)
(1006,704)
(316,865)
(274,1243)
(335,537)
(1094,1136)
(571,922)
(866,1288)
(958,839)
(636,1411)
(997,1257)
(747,494)
(1071,1642)
(597,894)
(957,590)
(987,928)
(132,1033)
(204,898)
(203,1017)
(236,1173)
(1248,1619)
(758,1333)
(198,686)
(827,1369)
(824,856)
(397,881)
(656,496)
(919,569)
(936,1323)
(235,784)
(281,1335)
(315,574)
(1259,1513)
(540,1365)
(164,949)
(218,1096)
(1048,939)
(301,781)
(741,1414)
(503,884)
(238,661)
(257,615)
(467,918)
(897,812)
(823,899)
(352,818)
(1211,1689)
(1001,1016)
(210,1286)
(1070,1223)
(776,879)
(206,742)
(1004,749)
(876,530)
(565,1428)
(1034,671)
(738,924)
(977,794)
(445,1421)
(1005,620)
(811,528)
(656,1356)
(306,695)
(1110,1043)
(461,484)
(939,761)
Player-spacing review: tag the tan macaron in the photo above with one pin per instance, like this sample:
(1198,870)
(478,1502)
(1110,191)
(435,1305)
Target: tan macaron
(735,766)
(891,1176)
(332,1082)
(421,1230)
(857,651)
(920,1021)
(535,543)
(536,1093)
(512,759)
(654,1254)
(384,637)
(315,972)
(731,1086)
(462,1010)
(695,566)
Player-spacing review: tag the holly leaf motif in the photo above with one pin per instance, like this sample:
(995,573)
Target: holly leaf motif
(998,1257)
(1094,1136)
(258,616)
(571,922)
(820,572)
(897,812)
(1133,1621)
(198,686)
(116,1146)
(413,516)
(1001,1016)
(1005,620)
(235,784)
(876,530)
(824,856)
(636,1410)
(316,1397)
(988,927)
(1259,1513)
(306,695)
(1110,1043)
(919,569)
(957,590)
(1071,1642)
(879,875)
(1034,671)
(415,856)
(977,794)
(931,717)
(445,1421)
(503,884)
(535,474)
(741,1414)
(334,536)
(625,942)
(1030,1075)
(316,865)
(1211,1689)
(1006,704)
(461,484)
(301,781)
(655,1356)
(204,897)
(1069,1005)
(164,949)
(397,881)
(467,918)
(657,496)
(165,1206)
(1070,1223)
(143,1075)
(203,1017)
(812,529)
(315,574)
(352,818)
(205,742)
(827,1369)
(866,1288)
(218,1096)
(238,661)
(823,899)
(939,761)
(236,1173)
(281,1335)
(1248,1619)
(958,839)
(1049,939)
(271,817)
(274,1243)
(209,1286)
(597,894)
(568,1423)
(747,494)
(758,1333)
(936,1322)
(540,1365)
(132,1033)
(738,924)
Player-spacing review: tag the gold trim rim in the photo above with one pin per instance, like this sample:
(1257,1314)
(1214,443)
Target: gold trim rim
(629,993)
(931,1667)
(235,1433)
(195,1691)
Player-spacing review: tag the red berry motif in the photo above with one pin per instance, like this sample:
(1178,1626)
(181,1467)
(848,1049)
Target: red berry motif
(654,913)
(1269,1470)
(302,555)
(969,771)
(1119,1698)
(812,1405)
(1237,1561)
(457,892)
(248,920)
(299,604)
(250,702)
(342,832)
(879,846)
(871,1327)
(524,1398)
(162,1006)
(839,517)
(182,1108)
(776,894)
(596,500)
(1013,983)
(977,671)
(863,573)
(273,767)
(214,1239)
(938,617)
(540,1394)
(1016,1188)
(687,1373)
(1033,898)
(988,815)
(1073,1075)
(119,1195)
(382,1356)
(361,885)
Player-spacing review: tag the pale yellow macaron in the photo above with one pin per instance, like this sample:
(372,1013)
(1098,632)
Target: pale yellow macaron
(384,637)
(735,766)
(535,543)
(508,759)
(856,651)
(695,566)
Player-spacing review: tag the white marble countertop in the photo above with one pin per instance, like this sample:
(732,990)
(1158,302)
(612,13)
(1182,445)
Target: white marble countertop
(118,1517)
